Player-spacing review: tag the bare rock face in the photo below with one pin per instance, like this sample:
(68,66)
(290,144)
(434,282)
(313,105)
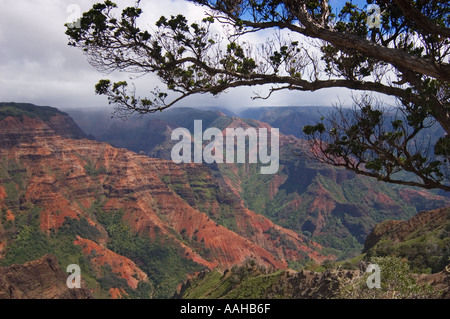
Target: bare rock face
(14,130)
(38,279)
(329,284)
(439,281)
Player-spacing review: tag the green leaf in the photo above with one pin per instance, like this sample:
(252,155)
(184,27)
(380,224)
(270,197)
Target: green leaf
(102,87)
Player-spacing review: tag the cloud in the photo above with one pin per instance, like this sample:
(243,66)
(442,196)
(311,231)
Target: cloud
(37,65)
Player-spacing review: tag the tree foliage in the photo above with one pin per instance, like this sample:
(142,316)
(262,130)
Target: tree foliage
(397,282)
(402,52)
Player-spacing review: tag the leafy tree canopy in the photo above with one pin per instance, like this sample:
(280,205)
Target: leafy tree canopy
(397,48)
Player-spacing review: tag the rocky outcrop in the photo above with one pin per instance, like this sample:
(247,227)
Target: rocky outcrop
(313,285)
(439,281)
(64,126)
(17,129)
(339,282)
(398,231)
(252,283)
(38,279)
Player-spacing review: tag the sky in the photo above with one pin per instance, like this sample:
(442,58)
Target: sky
(37,66)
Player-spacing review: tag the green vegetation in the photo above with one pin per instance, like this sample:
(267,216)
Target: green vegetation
(13,177)
(427,253)
(368,140)
(109,280)
(204,190)
(80,227)
(212,280)
(255,186)
(329,205)
(221,122)
(252,287)
(250,282)
(30,110)
(244,282)
(293,205)
(162,262)
(227,217)
(355,207)
(28,242)
(396,279)
(93,171)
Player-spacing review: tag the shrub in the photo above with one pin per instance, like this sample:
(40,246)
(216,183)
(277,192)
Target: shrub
(397,282)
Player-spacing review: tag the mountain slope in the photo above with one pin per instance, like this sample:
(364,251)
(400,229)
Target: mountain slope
(332,206)
(38,279)
(393,245)
(94,205)
(290,120)
(58,122)
(252,283)
(424,240)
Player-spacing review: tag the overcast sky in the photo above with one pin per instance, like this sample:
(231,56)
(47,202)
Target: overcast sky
(37,65)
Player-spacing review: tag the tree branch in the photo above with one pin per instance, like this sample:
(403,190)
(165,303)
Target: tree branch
(397,57)
(421,20)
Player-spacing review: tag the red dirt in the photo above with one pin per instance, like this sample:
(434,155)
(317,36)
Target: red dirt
(120,265)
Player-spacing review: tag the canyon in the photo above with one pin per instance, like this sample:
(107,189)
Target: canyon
(139,224)
(66,177)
